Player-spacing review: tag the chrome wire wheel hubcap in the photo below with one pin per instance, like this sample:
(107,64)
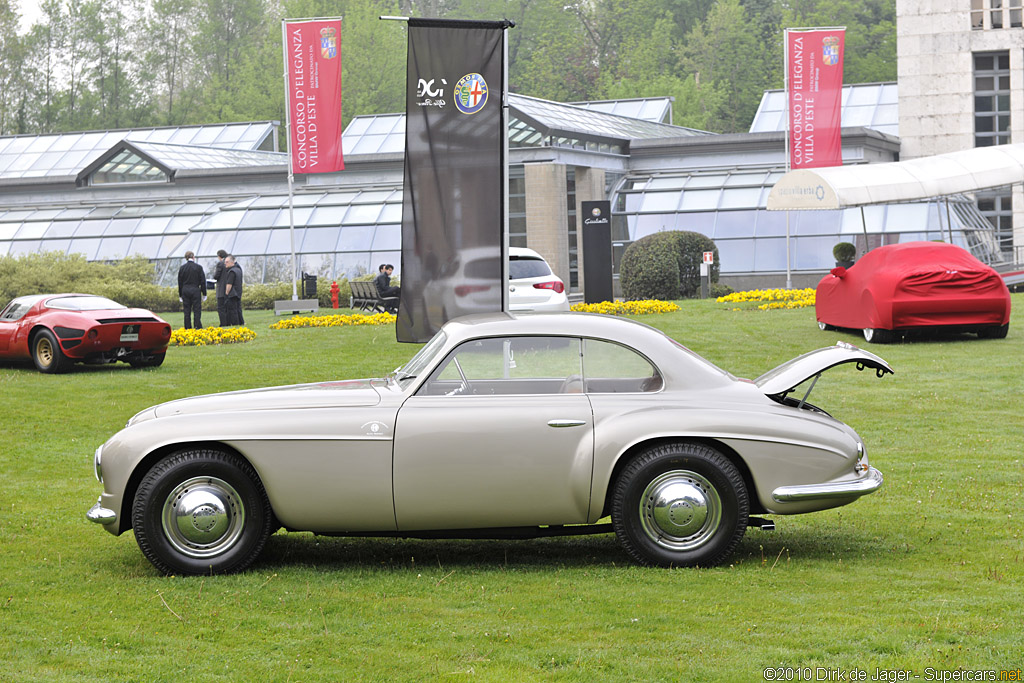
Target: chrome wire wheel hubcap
(203,517)
(680,510)
(44,351)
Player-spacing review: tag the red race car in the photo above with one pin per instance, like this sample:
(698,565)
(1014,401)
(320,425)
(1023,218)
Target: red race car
(57,330)
(899,287)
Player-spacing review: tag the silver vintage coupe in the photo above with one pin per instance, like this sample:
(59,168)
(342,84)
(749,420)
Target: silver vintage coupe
(501,426)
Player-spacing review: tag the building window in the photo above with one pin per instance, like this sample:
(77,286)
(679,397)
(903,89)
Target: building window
(128,167)
(991,98)
(570,198)
(997,207)
(1000,14)
(516,206)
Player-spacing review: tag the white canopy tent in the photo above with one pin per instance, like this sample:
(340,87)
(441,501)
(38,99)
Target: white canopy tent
(942,175)
(840,187)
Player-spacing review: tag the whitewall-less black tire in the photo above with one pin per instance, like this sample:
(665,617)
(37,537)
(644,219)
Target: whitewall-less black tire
(680,505)
(201,512)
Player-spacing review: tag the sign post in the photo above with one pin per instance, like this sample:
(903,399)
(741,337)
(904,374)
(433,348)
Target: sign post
(705,273)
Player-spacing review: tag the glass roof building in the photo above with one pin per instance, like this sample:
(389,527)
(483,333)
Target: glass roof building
(160,192)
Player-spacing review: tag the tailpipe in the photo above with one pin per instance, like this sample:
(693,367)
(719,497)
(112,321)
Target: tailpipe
(761,523)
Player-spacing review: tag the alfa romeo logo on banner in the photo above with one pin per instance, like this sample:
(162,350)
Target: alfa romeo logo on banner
(471,93)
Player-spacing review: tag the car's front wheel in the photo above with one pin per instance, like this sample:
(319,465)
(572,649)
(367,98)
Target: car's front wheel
(201,512)
(680,505)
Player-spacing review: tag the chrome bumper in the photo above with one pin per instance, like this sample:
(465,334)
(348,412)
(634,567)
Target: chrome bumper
(100,515)
(843,489)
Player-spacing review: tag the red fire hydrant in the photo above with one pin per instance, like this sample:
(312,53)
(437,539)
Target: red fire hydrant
(334,293)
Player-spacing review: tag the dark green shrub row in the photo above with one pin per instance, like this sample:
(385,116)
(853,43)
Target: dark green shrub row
(130,282)
(666,265)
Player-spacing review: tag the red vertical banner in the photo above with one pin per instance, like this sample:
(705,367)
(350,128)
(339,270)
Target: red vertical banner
(814,89)
(312,57)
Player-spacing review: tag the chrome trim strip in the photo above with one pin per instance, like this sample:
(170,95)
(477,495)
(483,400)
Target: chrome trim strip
(843,489)
(100,515)
(566,423)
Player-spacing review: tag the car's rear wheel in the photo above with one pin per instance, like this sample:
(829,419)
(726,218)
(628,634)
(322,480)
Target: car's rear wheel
(201,512)
(680,505)
(47,354)
(874,335)
(994,332)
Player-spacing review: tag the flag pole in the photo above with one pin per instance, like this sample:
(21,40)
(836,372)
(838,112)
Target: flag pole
(504,172)
(785,72)
(291,173)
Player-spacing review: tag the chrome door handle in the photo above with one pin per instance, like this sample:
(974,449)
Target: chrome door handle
(566,423)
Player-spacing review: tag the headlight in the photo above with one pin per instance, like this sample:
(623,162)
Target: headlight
(97,464)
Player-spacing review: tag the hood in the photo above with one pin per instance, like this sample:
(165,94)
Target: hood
(359,392)
(790,374)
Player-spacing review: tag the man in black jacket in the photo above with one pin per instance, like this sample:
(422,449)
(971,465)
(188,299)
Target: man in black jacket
(384,288)
(233,290)
(192,290)
(219,276)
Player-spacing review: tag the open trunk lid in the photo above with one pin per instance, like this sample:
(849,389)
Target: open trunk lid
(790,374)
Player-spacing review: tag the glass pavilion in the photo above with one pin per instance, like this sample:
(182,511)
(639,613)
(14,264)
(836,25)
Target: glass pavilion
(160,192)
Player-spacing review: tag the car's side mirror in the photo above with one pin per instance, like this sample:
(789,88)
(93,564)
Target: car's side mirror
(838,271)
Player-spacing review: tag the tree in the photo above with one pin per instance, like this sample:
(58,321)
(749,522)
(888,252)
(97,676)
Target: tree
(169,62)
(723,50)
(11,58)
(870,46)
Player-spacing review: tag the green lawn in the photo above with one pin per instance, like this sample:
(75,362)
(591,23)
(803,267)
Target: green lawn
(925,573)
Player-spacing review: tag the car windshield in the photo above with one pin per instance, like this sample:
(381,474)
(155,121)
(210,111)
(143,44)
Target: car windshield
(527,266)
(422,359)
(83,303)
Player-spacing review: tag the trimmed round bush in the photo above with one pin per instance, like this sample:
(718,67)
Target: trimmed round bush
(646,274)
(650,269)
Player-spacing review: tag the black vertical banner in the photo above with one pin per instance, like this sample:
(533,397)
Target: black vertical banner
(597,251)
(452,222)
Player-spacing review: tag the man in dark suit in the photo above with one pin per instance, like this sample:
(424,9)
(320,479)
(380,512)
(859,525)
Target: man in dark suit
(219,276)
(192,290)
(233,291)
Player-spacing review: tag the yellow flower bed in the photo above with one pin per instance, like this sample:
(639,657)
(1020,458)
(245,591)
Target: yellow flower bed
(208,336)
(644,307)
(772,298)
(333,320)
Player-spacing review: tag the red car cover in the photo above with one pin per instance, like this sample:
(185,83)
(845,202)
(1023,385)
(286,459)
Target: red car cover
(916,284)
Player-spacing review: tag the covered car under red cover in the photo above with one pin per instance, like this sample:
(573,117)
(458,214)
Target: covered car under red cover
(913,285)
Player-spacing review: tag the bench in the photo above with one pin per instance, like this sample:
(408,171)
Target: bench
(366,298)
(294,306)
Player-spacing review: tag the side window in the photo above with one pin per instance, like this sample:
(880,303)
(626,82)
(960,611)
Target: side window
(503,366)
(611,368)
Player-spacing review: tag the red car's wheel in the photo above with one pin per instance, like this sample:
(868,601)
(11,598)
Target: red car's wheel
(995,332)
(873,335)
(47,354)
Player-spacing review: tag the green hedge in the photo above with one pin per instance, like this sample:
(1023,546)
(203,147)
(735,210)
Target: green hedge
(650,269)
(130,282)
(666,265)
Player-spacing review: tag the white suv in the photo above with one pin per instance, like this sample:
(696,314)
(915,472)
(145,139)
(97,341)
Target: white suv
(532,286)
